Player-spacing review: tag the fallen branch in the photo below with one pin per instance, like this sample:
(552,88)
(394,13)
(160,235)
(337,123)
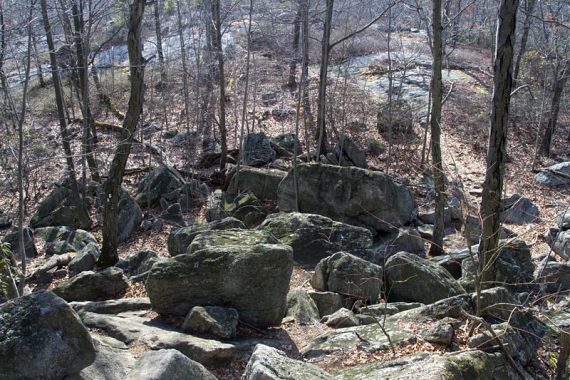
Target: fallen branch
(56,261)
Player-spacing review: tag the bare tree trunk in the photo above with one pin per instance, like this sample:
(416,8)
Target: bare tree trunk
(215,4)
(529,9)
(184,67)
(436,247)
(296,34)
(158,31)
(496,150)
(103,97)
(82,48)
(323,75)
(559,84)
(112,186)
(38,62)
(308,119)
(83,216)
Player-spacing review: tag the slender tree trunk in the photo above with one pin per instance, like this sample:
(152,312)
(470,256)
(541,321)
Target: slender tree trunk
(38,63)
(497,145)
(292,82)
(436,247)
(308,120)
(184,67)
(529,9)
(81,45)
(559,84)
(215,4)
(112,186)
(104,98)
(323,75)
(158,30)
(83,216)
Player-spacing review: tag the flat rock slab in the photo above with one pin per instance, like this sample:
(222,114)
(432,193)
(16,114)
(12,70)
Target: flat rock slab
(113,360)
(112,306)
(134,327)
(431,366)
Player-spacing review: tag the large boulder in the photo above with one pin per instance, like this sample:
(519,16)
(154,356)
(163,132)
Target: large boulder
(257,150)
(301,307)
(350,153)
(41,337)
(253,279)
(138,263)
(263,183)
(559,238)
(214,320)
(514,266)
(168,364)
(554,275)
(180,239)
(348,275)
(192,194)
(287,142)
(352,195)
(221,238)
(58,209)
(268,363)
(557,175)
(519,210)
(160,181)
(94,286)
(129,216)
(12,239)
(314,237)
(406,239)
(413,279)
(244,206)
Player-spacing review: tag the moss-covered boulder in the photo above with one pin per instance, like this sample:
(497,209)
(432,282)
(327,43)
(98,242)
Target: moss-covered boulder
(41,337)
(351,195)
(239,237)
(413,279)
(252,278)
(314,237)
(263,183)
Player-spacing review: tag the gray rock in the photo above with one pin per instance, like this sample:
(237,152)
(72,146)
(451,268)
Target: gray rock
(138,263)
(129,214)
(391,308)
(441,333)
(29,244)
(57,209)
(519,210)
(214,320)
(406,239)
(555,276)
(314,237)
(557,175)
(132,328)
(348,275)
(327,302)
(77,239)
(341,318)
(301,307)
(288,142)
(190,195)
(563,220)
(231,237)
(267,363)
(168,364)
(269,98)
(245,207)
(263,183)
(160,181)
(180,239)
(257,150)
(173,215)
(414,279)
(429,217)
(253,279)
(84,261)
(559,241)
(112,360)
(93,286)
(350,195)
(111,306)
(432,366)
(350,153)
(452,261)
(215,206)
(514,266)
(41,337)
(5,222)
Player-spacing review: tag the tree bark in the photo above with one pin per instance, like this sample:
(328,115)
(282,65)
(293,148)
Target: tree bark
(184,67)
(158,31)
(559,84)
(436,247)
(292,82)
(529,9)
(215,5)
(323,75)
(496,150)
(83,216)
(112,185)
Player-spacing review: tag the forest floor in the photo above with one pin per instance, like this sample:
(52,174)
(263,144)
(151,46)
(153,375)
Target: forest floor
(465,127)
